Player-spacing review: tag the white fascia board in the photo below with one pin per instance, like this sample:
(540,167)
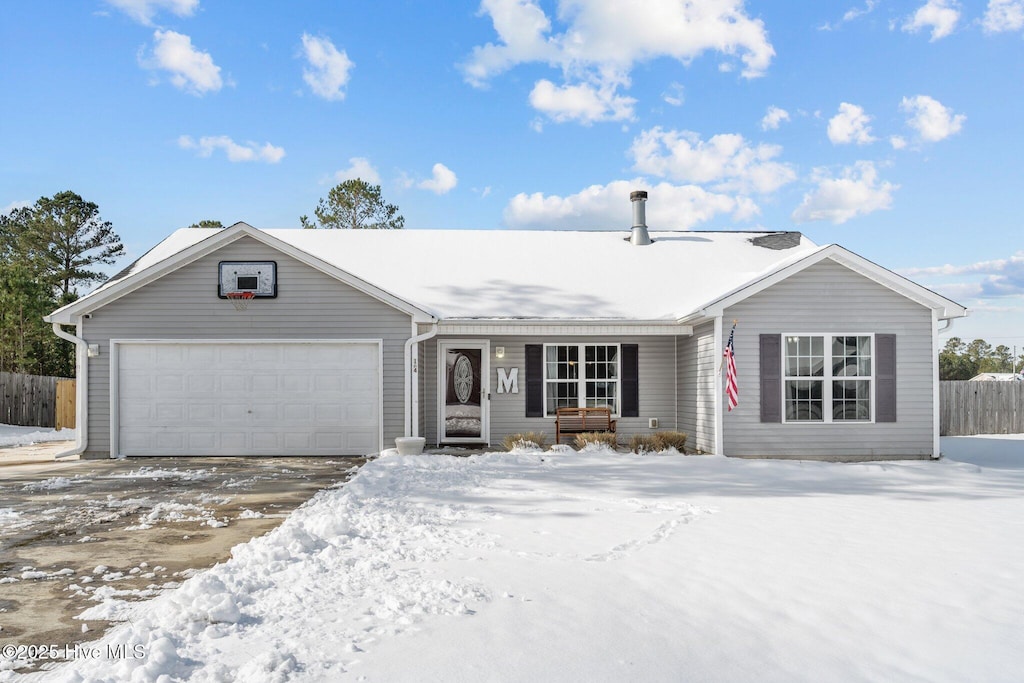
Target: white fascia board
(67,315)
(564,327)
(946,308)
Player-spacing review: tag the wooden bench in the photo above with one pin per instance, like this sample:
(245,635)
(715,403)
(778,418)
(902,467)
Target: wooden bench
(579,420)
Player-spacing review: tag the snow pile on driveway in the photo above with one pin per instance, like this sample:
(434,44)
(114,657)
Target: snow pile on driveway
(604,567)
(13,435)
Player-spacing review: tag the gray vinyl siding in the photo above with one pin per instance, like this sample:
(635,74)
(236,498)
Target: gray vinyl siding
(830,298)
(508,411)
(696,387)
(184,305)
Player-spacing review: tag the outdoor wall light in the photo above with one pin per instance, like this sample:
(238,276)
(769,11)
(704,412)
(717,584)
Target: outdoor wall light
(93,351)
(499,351)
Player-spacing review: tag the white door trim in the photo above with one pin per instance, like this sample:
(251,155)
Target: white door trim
(115,344)
(485,388)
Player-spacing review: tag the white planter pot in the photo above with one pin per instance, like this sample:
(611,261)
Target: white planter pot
(410,445)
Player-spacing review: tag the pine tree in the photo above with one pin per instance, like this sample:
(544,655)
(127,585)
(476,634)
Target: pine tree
(46,252)
(355,204)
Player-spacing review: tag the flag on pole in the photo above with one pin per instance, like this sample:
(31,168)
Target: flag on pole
(732,391)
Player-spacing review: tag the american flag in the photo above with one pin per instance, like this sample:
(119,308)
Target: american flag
(732,390)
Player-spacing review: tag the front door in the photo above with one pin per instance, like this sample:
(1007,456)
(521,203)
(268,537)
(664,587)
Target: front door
(463,392)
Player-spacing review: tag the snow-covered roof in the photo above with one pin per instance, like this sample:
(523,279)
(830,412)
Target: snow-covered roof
(997,377)
(510,274)
(532,274)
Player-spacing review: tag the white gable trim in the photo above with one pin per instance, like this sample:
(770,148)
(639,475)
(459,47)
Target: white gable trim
(945,308)
(67,315)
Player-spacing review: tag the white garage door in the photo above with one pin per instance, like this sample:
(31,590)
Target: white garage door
(224,398)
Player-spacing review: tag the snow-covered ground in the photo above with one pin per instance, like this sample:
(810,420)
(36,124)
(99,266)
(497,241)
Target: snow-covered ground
(605,567)
(12,435)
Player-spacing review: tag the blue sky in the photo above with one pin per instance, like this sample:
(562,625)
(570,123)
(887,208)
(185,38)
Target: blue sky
(884,126)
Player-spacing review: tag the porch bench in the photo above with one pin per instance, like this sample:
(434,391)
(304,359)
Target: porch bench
(579,420)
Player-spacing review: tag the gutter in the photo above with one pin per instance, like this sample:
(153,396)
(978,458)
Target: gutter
(412,385)
(81,387)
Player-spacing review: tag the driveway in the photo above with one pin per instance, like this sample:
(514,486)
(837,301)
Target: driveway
(75,534)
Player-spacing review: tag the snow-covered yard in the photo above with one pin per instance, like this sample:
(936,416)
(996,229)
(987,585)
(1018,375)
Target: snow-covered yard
(12,435)
(604,567)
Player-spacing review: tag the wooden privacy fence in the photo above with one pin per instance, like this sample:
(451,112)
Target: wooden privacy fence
(31,400)
(981,408)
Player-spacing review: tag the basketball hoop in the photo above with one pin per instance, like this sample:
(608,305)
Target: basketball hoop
(240,300)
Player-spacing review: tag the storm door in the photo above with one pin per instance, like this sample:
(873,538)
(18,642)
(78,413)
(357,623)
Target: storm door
(463,392)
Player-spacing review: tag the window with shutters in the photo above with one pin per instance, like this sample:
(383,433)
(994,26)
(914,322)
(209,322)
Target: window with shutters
(581,375)
(828,378)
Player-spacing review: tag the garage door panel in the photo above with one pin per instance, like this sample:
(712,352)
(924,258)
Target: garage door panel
(264,384)
(166,413)
(360,442)
(298,413)
(204,413)
(173,355)
(361,415)
(360,356)
(168,441)
(359,382)
(237,399)
(234,413)
(234,382)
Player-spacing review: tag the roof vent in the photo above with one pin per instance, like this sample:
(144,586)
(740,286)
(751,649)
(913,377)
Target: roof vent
(777,240)
(639,236)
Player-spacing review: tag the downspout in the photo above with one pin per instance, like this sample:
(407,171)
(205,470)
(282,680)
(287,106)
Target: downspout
(936,388)
(719,422)
(81,390)
(412,384)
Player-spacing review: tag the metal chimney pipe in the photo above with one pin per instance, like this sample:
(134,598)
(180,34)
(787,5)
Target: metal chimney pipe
(639,236)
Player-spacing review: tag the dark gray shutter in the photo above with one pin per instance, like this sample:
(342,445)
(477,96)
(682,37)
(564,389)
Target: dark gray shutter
(771,378)
(534,380)
(885,378)
(630,380)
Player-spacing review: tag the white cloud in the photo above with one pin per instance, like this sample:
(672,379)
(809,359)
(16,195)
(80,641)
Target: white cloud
(941,16)
(597,43)
(191,69)
(143,11)
(850,15)
(857,191)
(1003,15)
(931,120)
(249,151)
(850,125)
(361,168)
(674,94)
(1004,277)
(607,207)
(328,71)
(897,141)
(443,180)
(726,160)
(14,206)
(855,12)
(773,118)
(584,103)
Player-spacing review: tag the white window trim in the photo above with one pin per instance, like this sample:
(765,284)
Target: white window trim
(581,381)
(826,393)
